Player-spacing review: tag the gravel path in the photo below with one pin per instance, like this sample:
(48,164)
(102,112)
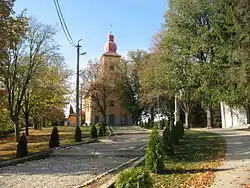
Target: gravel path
(56,171)
(235,171)
(72,166)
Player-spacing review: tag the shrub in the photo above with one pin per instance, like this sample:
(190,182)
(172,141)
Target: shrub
(174,135)
(78,134)
(162,124)
(93,132)
(155,125)
(22,149)
(54,138)
(154,157)
(167,142)
(102,130)
(180,129)
(137,177)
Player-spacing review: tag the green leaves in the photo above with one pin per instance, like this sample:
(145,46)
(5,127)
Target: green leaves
(134,178)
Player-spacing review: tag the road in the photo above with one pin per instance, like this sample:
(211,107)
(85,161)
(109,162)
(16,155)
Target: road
(72,166)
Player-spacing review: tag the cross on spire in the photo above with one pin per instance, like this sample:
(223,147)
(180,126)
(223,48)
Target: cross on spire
(110,29)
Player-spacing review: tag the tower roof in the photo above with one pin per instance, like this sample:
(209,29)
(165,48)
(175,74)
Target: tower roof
(110,47)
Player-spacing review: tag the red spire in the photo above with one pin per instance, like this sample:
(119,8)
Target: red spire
(110,46)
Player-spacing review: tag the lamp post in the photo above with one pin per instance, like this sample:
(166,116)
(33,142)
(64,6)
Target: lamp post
(77,81)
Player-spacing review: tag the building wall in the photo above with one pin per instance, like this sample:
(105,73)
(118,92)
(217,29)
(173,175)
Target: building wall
(110,65)
(233,117)
(119,113)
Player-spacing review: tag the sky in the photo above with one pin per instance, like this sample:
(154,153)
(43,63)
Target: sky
(134,23)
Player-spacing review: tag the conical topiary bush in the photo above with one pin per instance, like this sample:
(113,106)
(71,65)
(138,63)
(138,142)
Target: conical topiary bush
(54,138)
(78,134)
(154,155)
(93,132)
(22,149)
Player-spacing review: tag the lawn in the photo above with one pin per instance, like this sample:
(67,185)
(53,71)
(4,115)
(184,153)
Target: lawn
(38,140)
(194,162)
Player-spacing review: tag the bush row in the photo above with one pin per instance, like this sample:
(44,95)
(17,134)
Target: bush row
(154,161)
(22,149)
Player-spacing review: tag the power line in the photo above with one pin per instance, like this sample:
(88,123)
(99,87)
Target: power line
(63,23)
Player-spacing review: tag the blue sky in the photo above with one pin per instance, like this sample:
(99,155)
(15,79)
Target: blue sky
(134,22)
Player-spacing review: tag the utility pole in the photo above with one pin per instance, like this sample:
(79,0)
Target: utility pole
(81,107)
(77,81)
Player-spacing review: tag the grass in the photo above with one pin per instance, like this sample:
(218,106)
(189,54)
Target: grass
(38,140)
(194,162)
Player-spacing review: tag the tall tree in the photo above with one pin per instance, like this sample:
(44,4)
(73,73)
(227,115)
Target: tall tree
(24,60)
(46,95)
(129,85)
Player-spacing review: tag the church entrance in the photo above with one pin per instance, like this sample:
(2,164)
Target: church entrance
(111,119)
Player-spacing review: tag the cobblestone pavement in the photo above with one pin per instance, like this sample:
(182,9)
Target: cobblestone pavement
(72,166)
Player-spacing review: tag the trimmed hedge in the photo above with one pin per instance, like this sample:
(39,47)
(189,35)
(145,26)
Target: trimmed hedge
(154,154)
(137,177)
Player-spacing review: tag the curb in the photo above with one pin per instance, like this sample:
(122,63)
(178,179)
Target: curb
(112,181)
(107,172)
(40,155)
(36,156)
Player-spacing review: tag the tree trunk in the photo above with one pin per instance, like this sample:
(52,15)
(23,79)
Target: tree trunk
(35,123)
(152,114)
(44,122)
(187,120)
(16,122)
(209,118)
(27,125)
(104,119)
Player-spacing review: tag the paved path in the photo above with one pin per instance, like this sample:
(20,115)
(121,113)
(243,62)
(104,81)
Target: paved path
(235,170)
(72,166)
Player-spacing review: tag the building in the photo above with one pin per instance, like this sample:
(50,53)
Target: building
(71,120)
(235,117)
(110,62)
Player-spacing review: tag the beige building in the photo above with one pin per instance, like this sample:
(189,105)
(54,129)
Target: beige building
(115,113)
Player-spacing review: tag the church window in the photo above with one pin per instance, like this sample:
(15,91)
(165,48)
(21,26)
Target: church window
(111,67)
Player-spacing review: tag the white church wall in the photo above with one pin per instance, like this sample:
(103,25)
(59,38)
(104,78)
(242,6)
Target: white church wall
(233,117)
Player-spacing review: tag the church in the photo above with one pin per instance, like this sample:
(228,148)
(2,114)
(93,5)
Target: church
(110,62)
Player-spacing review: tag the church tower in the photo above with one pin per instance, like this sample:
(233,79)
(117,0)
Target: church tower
(110,63)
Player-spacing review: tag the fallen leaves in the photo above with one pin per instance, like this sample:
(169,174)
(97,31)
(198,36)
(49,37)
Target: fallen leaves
(38,140)
(193,166)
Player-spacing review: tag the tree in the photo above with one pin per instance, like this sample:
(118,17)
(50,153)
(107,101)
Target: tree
(71,111)
(99,86)
(129,84)
(231,33)
(46,95)
(25,60)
